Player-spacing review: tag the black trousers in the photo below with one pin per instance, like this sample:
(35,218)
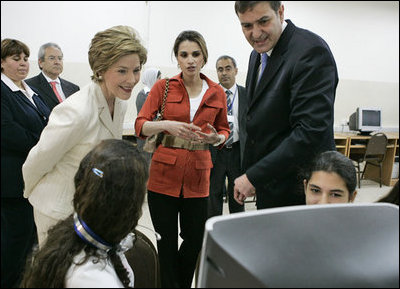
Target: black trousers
(18,235)
(226,165)
(177,265)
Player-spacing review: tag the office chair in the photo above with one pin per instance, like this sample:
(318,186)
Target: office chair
(143,259)
(374,155)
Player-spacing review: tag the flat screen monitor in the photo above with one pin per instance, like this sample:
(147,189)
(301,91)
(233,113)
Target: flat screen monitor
(366,120)
(335,245)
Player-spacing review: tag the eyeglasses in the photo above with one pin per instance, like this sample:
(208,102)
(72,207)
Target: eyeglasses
(52,58)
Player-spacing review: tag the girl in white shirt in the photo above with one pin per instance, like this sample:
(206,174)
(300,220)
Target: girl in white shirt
(87,248)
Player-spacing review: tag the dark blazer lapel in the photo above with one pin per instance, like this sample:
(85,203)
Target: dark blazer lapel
(39,110)
(24,98)
(275,61)
(272,67)
(242,101)
(252,75)
(66,87)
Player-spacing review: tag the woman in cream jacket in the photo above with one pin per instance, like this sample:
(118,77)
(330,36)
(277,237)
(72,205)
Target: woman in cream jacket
(92,114)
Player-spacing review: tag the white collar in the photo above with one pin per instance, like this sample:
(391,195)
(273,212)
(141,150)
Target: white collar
(232,89)
(51,80)
(7,81)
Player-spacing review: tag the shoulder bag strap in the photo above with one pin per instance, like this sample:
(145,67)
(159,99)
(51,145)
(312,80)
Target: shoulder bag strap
(164,99)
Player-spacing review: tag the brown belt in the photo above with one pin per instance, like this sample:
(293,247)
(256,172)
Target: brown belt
(171,141)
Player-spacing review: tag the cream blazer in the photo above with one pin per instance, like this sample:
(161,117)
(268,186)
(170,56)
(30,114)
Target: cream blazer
(75,126)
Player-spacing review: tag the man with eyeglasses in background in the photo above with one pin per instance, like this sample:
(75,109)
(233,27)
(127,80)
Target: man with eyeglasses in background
(51,88)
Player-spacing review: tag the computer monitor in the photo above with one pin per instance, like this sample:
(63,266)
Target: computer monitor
(335,245)
(365,120)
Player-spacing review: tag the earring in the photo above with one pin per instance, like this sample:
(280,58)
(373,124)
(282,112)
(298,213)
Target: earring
(100,77)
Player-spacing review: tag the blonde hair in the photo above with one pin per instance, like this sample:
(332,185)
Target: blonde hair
(108,46)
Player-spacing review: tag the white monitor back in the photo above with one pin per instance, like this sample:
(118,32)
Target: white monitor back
(346,245)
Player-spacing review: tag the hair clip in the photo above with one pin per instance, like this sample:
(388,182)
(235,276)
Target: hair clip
(98,172)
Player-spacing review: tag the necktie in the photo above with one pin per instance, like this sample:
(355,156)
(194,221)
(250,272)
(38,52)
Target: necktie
(229,103)
(53,85)
(264,60)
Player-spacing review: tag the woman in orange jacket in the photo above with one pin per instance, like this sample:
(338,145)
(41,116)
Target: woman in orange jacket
(195,116)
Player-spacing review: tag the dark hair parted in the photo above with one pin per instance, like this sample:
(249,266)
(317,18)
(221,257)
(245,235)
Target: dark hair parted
(193,36)
(108,46)
(242,6)
(11,47)
(110,205)
(336,162)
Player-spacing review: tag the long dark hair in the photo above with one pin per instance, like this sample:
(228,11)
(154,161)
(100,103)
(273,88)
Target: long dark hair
(391,197)
(193,36)
(109,203)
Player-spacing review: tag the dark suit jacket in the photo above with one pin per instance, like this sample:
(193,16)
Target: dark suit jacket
(47,94)
(21,126)
(241,119)
(290,114)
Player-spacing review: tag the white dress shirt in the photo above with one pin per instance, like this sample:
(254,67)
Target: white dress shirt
(235,111)
(58,85)
(195,101)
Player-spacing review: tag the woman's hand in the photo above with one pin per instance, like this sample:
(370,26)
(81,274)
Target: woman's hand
(209,138)
(183,130)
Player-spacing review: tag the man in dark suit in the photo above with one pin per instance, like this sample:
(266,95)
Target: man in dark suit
(51,87)
(290,108)
(226,160)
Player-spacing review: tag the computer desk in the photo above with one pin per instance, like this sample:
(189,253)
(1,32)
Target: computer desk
(349,144)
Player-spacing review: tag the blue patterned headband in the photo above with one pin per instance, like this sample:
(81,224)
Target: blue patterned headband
(87,235)
(84,232)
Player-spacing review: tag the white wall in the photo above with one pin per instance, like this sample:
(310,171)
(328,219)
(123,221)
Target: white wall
(71,24)
(363,36)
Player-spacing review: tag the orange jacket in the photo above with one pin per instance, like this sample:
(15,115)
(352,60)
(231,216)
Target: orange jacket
(175,170)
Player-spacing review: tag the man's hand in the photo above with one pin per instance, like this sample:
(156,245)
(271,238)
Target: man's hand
(243,189)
